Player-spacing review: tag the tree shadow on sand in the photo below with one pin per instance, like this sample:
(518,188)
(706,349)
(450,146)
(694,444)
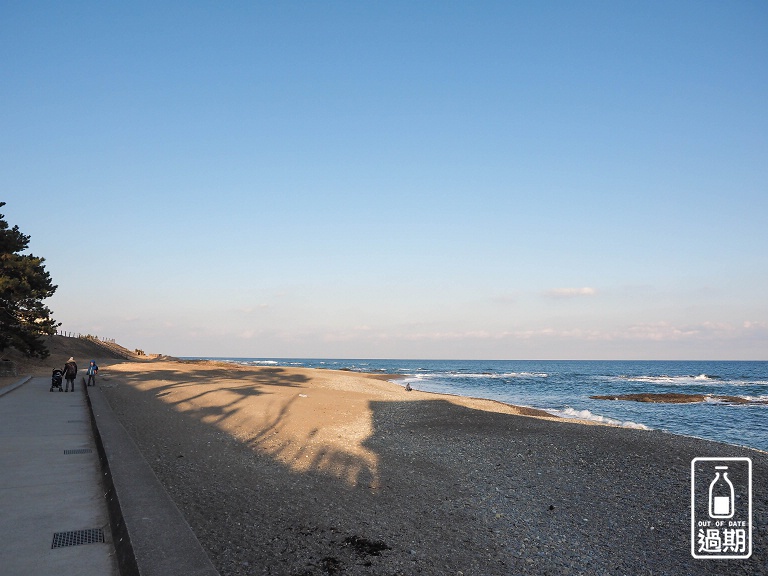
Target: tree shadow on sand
(174,384)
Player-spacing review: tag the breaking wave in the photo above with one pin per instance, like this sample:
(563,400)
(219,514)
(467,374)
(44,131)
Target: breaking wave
(587,415)
(691,380)
(423,375)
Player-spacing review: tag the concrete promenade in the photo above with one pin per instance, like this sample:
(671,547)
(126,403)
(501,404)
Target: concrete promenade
(53,516)
(76,495)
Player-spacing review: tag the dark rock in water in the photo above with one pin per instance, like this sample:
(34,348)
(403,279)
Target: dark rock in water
(668,398)
(677,398)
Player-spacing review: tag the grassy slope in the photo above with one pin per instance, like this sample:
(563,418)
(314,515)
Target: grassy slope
(61,348)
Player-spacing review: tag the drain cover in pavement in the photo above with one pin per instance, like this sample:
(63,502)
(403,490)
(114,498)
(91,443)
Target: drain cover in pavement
(77,537)
(78,451)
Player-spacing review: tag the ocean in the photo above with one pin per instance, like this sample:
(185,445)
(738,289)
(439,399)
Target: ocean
(565,388)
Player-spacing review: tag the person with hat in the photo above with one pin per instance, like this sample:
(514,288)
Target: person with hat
(70,373)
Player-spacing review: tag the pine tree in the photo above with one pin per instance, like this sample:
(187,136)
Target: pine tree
(24,284)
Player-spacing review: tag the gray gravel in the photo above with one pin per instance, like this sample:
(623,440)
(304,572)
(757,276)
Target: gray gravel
(460,492)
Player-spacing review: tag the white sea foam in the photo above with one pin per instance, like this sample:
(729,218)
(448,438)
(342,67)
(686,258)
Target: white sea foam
(698,380)
(677,380)
(477,375)
(751,400)
(587,415)
(762,398)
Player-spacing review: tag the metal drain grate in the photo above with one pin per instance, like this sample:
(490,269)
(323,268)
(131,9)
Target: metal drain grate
(74,421)
(78,451)
(77,537)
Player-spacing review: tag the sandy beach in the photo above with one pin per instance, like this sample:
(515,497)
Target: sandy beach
(311,472)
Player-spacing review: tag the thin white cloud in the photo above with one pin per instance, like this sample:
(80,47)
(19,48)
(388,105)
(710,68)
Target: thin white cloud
(648,332)
(458,335)
(658,331)
(712,331)
(570,292)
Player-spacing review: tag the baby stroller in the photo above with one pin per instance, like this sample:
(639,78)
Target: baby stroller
(56,380)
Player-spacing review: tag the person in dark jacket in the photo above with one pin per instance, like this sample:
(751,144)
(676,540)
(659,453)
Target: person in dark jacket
(70,373)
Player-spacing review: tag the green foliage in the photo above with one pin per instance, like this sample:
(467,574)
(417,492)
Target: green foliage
(24,284)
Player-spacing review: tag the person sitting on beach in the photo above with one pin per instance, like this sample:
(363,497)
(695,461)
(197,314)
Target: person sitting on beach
(92,371)
(70,373)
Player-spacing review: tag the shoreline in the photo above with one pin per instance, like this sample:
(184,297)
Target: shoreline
(587,416)
(313,472)
(532,411)
(476,401)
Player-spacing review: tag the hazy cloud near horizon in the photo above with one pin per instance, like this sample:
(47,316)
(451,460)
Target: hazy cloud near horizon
(570,292)
(478,180)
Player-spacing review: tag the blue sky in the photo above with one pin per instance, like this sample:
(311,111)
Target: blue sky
(395,179)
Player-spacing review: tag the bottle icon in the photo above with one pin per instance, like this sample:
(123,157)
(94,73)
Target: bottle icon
(721,494)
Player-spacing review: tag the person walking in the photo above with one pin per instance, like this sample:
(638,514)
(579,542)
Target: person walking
(70,373)
(93,369)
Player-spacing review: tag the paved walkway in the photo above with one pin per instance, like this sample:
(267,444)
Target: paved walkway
(50,487)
